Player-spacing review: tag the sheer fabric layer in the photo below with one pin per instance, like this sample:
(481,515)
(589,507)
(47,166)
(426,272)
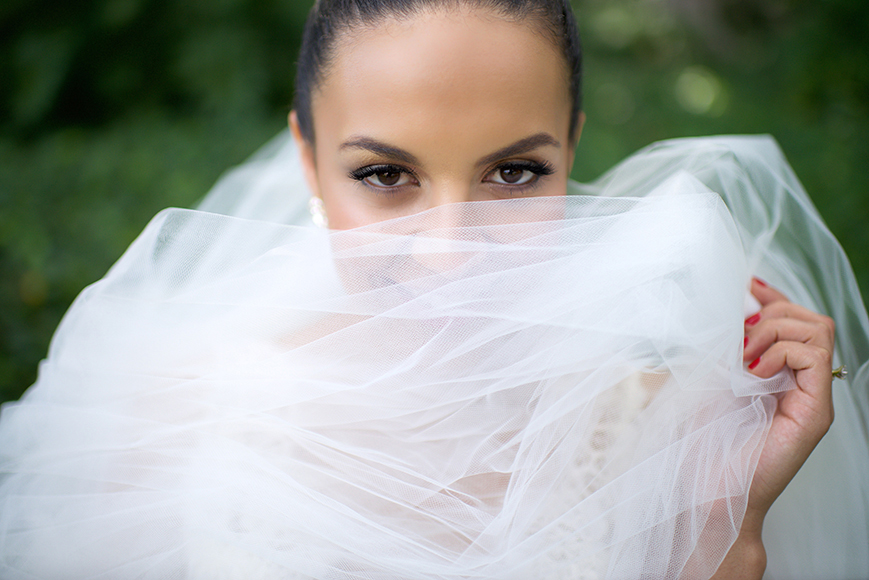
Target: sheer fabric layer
(546,388)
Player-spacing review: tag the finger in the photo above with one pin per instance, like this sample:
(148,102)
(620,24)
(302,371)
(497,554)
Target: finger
(811,405)
(812,364)
(760,337)
(765,293)
(782,309)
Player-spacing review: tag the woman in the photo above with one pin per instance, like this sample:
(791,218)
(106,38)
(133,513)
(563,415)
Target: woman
(471,375)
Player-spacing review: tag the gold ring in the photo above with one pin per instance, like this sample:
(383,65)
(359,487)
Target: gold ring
(840,373)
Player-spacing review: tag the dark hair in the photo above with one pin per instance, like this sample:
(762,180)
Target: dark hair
(328,19)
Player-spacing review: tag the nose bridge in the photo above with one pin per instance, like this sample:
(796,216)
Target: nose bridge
(439,245)
(450,190)
(447,193)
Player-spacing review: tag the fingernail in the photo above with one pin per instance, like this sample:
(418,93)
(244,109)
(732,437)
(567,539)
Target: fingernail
(745,342)
(761,282)
(752,320)
(754,363)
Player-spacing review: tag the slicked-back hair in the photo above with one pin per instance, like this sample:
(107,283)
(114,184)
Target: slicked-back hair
(329,19)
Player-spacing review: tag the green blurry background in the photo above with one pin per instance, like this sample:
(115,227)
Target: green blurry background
(111,110)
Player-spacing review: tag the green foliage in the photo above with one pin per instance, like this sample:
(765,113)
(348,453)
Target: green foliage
(111,110)
(798,70)
(115,110)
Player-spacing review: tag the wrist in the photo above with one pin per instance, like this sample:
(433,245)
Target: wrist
(751,529)
(747,556)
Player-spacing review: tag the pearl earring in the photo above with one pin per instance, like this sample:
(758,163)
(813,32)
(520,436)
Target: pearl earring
(318,212)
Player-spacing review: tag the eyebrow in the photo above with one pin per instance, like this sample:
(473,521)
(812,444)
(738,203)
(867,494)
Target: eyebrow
(380,148)
(519,147)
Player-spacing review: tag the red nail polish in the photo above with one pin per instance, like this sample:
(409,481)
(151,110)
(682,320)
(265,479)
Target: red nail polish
(760,282)
(754,363)
(752,320)
(745,342)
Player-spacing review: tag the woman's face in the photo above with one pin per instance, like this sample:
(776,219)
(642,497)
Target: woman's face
(441,108)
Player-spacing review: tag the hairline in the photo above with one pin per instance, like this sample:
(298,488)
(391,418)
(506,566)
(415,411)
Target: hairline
(357,23)
(358,27)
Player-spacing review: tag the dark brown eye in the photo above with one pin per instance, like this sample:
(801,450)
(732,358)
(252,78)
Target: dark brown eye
(512,174)
(384,177)
(388,178)
(518,173)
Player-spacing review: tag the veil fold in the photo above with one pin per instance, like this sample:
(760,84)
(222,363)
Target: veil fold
(548,388)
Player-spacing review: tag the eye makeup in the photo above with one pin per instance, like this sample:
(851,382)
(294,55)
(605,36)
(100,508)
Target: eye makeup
(390,176)
(536,168)
(384,176)
(518,177)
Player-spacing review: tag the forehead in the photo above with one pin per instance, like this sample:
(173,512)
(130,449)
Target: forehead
(458,70)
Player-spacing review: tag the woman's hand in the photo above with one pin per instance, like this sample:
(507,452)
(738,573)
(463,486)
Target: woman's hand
(782,335)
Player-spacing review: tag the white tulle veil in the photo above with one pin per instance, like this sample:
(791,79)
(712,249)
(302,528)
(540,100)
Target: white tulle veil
(521,389)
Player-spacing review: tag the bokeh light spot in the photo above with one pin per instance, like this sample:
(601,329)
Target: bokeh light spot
(700,91)
(616,26)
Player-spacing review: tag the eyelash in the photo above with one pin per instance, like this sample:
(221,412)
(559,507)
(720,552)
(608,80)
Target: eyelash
(539,169)
(364,173)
